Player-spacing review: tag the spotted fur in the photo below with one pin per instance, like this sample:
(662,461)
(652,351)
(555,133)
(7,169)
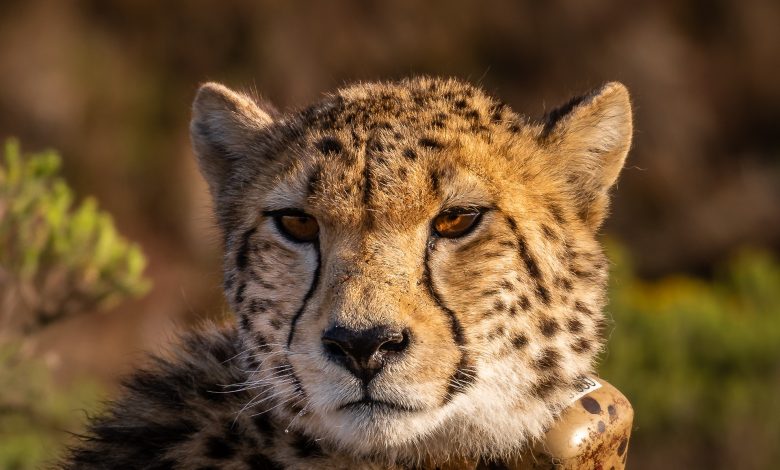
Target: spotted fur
(501,322)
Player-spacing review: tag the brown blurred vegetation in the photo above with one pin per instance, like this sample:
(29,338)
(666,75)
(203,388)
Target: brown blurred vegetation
(109,84)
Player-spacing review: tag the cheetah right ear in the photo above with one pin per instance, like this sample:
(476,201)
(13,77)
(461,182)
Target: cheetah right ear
(591,136)
(224,131)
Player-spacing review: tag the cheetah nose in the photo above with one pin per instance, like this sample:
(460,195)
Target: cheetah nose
(364,352)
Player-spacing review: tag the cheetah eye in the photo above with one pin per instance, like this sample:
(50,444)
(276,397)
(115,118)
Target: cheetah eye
(454,223)
(297,226)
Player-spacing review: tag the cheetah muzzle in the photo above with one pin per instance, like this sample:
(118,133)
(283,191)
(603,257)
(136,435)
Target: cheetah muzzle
(415,275)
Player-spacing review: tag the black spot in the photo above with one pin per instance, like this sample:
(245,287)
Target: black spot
(556,212)
(580,307)
(581,274)
(543,294)
(601,426)
(435,182)
(219,449)
(307,448)
(497,111)
(261,462)
(530,263)
(461,104)
(246,323)
(515,126)
(263,424)
(612,411)
(498,331)
(574,325)
(545,387)
(410,154)
(239,298)
(590,405)
(314,180)
(232,433)
(548,327)
(548,360)
(262,343)
(520,341)
(329,145)
(581,345)
(564,284)
(472,115)
(499,305)
(525,304)
(229,281)
(549,233)
(375,146)
(430,143)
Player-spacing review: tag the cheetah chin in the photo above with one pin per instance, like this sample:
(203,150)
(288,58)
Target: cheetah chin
(415,275)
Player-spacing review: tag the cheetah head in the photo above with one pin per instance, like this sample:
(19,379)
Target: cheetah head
(414,267)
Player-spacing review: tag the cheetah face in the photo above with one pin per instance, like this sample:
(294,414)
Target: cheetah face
(413,265)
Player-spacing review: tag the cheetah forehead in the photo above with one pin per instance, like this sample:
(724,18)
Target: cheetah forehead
(421,104)
(406,143)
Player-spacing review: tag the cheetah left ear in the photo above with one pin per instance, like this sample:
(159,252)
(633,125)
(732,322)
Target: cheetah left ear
(227,131)
(592,136)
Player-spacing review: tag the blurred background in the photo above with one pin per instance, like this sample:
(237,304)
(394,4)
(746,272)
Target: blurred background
(694,234)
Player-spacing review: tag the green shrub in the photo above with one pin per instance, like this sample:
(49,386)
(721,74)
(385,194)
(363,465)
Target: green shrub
(700,359)
(56,260)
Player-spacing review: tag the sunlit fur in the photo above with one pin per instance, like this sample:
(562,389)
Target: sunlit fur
(502,320)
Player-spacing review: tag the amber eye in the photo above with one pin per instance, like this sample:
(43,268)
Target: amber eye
(299,227)
(456,223)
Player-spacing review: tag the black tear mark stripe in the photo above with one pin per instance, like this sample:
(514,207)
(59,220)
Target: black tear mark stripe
(314,282)
(464,373)
(531,266)
(242,255)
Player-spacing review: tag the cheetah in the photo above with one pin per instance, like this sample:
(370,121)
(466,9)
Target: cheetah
(415,275)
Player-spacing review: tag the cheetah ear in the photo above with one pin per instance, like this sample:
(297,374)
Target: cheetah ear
(225,131)
(592,135)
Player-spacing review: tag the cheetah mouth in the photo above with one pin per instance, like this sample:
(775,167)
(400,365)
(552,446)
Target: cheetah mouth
(372,405)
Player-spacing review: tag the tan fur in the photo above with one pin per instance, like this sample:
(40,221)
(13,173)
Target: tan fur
(374,164)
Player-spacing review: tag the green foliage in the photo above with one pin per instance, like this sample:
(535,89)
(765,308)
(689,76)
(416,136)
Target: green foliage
(56,258)
(35,411)
(701,359)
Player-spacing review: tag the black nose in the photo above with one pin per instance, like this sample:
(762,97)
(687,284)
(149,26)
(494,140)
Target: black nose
(364,352)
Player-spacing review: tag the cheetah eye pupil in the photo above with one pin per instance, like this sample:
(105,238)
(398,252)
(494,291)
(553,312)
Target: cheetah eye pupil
(455,223)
